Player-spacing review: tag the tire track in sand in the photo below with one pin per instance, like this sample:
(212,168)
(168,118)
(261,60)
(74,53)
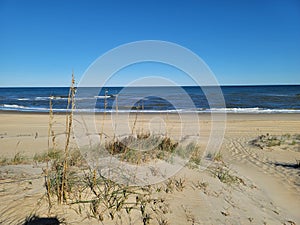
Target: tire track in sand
(241,151)
(281,184)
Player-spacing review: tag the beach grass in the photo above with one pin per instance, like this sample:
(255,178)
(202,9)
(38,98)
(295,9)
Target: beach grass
(284,141)
(18,158)
(69,181)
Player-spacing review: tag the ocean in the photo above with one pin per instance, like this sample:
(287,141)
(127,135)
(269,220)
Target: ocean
(238,99)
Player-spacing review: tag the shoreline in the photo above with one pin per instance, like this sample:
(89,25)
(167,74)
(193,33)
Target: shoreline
(149,113)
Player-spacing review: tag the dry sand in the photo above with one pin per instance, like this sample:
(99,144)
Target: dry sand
(268,191)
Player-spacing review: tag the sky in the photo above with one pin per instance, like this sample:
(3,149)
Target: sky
(243,42)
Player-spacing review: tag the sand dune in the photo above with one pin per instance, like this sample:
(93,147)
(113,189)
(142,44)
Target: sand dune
(263,187)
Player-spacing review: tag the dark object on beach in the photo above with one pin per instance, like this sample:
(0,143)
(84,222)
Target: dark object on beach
(289,165)
(34,220)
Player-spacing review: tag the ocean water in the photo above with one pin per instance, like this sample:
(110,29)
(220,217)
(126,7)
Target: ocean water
(238,99)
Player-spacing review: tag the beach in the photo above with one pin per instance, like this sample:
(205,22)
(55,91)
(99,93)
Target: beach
(28,132)
(267,191)
(139,113)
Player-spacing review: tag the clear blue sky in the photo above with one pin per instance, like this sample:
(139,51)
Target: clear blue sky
(243,42)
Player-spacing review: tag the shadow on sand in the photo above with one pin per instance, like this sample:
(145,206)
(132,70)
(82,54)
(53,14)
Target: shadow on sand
(41,221)
(288,165)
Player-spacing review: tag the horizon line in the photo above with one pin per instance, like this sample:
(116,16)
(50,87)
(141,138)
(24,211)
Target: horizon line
(118,86)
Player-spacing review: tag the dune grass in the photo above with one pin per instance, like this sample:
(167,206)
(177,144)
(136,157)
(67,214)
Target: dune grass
(68,179)
(283,141)
(18,158)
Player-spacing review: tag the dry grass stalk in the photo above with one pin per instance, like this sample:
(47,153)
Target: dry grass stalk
(50,134)
(104,114)
(142,116)
(135,119)
(167,123)
(69,121)
(117,117)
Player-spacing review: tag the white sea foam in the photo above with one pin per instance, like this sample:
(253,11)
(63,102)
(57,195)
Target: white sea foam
(101,96)
(15,107)
(21,108)
(252,110)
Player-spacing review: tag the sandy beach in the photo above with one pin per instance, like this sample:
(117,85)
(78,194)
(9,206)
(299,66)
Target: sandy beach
(267,191)
(149,113)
